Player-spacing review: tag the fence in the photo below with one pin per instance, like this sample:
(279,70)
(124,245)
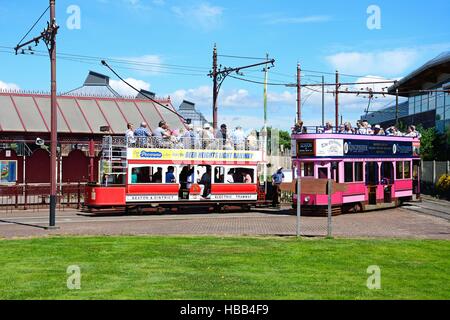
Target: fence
(431,172)
(33,196)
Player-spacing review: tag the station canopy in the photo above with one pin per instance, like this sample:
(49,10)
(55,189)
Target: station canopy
(84,110)
(431,73)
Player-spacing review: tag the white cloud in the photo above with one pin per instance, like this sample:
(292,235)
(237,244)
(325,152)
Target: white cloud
(389,63)
(298,20)
(8,86)
(203,16)
(124,90)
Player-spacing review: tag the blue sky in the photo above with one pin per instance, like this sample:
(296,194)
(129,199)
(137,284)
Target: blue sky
(320,35)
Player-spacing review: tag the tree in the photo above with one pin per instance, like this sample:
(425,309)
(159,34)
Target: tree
(433,145)
(284,139)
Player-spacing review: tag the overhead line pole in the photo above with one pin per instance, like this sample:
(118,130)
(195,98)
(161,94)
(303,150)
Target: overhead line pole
(49,37)
(219,75)
(323,101)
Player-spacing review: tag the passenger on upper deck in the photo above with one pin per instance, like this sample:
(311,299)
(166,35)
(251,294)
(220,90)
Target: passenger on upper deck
(328,128)
(129,135)
(207,137)
(222,136)
(238,138)
(141,134)
(412,132)
(378,131)
(190,137)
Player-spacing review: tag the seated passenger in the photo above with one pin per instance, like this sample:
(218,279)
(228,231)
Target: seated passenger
(246,177)
(348,128)
(412,132)
(252,141)
(170,177)
(161,134)
(328,128)
(205,181)
(157,176)
(207,137)
(141,134)
(378,131)
(238,138)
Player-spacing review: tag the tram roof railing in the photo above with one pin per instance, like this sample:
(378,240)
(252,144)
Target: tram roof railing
(189,143)
(337,131)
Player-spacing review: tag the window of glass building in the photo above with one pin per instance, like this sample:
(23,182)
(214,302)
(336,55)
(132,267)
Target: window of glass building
(425,101)
(432,101)
(411,105)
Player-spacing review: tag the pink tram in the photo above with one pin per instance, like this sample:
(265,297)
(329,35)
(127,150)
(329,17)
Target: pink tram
(378,171)
(150,172)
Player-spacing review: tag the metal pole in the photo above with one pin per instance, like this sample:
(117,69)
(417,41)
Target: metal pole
(337,101)
(329,191)
(54,128)
(299,94)
(396,107)
(266,73)
(323,101)
(299,197)
(215,93)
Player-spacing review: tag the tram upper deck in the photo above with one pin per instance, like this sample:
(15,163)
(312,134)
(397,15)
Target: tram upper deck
(313,144)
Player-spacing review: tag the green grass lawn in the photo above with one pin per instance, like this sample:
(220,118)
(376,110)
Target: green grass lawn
(223,268)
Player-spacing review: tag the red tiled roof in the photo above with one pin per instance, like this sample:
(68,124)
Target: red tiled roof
(24,112)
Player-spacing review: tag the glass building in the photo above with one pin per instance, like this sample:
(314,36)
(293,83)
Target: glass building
(434,75)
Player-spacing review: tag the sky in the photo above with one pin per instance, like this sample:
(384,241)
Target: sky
(166,47)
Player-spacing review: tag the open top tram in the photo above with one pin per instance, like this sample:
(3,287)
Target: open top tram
(152,172)
(377,171)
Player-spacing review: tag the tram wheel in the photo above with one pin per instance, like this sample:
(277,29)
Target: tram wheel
(357,208)
(217,208)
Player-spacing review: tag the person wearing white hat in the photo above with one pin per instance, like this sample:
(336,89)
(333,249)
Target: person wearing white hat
(207,136)
(189,138)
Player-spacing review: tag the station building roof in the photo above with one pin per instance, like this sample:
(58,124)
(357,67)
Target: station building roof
(431,74)
(83,110)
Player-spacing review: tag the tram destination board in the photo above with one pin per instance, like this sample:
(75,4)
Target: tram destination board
(305,148)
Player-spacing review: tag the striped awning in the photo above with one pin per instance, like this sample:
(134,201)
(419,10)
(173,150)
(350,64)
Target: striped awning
(23,112)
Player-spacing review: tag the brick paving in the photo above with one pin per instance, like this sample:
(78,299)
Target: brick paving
(393,223)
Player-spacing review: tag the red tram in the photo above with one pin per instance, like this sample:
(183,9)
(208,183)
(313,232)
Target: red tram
(151,172)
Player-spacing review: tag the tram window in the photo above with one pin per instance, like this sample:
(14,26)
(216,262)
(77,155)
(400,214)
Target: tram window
(323,173)
(147,174)
(359,177)
(219,175)
(240,175)
(171,175)
(348,171)
(308,170)
(387,172)
(399,169)
(407,167)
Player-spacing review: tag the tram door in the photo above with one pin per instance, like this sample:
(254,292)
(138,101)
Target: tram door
(372,181)
(387,179)
(416,175)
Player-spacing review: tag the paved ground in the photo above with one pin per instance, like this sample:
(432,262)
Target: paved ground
(406,222)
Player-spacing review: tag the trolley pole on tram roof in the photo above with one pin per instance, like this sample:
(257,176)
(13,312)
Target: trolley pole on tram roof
(49,38)
(337,101)
(299,94)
